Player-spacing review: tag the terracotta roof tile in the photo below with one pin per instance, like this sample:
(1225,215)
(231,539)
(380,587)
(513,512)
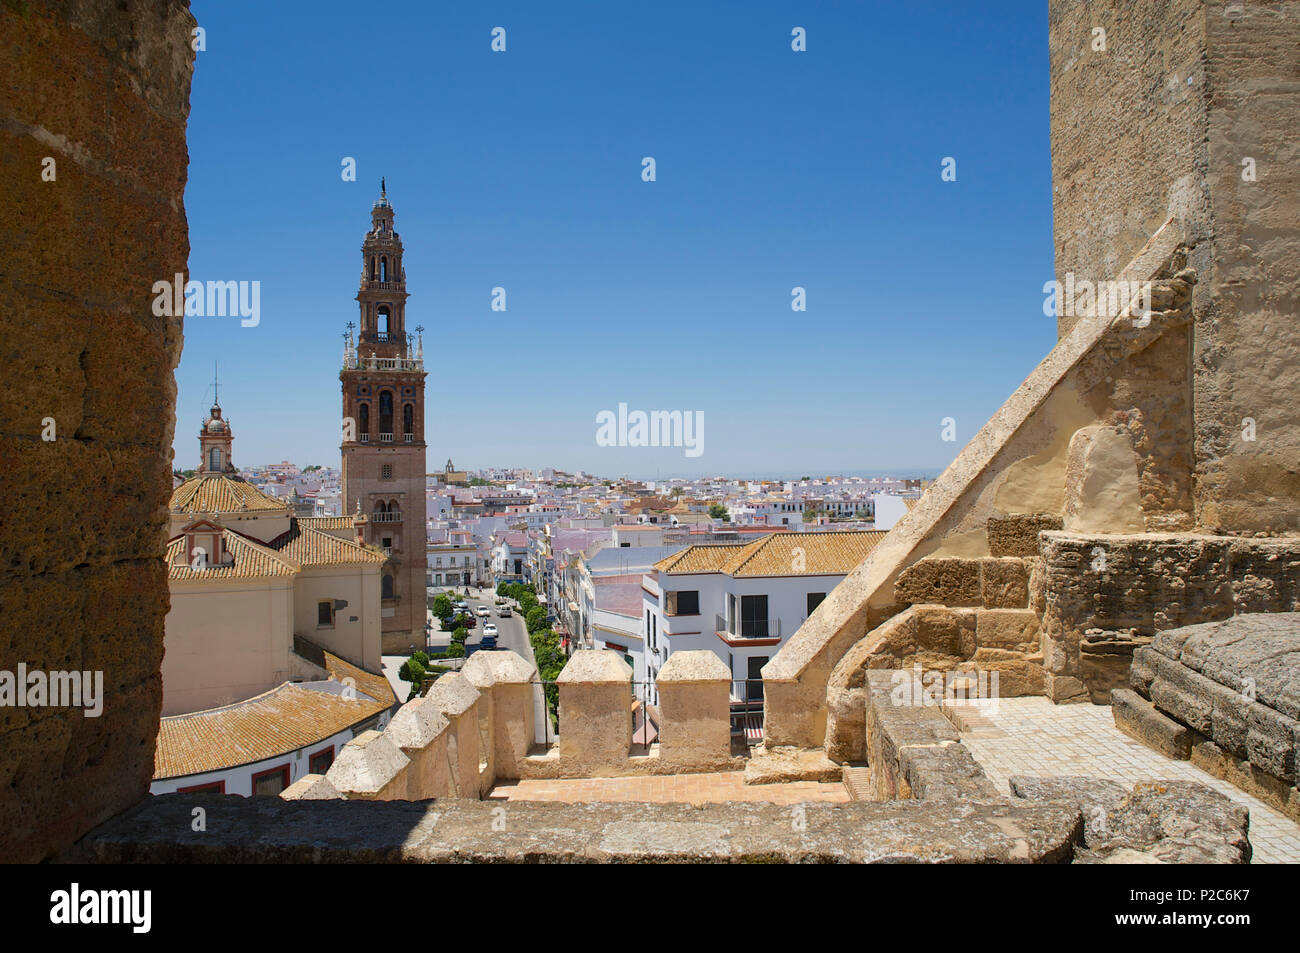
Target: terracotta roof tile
(251,560)
(221,494)
(314,547)
(288,717)
(822,554)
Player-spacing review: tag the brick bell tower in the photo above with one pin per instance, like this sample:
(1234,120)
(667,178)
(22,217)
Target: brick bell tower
(383,430)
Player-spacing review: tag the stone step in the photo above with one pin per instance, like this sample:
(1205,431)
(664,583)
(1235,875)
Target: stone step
(857,781)
(780,765)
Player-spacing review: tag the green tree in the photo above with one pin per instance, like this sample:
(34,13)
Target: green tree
(535,618)
(719,512)
(459,636)
(456,649)
(442,607)
(411,671)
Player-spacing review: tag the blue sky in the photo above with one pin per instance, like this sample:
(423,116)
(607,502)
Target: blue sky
(522,169)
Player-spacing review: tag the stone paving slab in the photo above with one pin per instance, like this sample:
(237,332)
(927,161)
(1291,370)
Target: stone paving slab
(1032,736)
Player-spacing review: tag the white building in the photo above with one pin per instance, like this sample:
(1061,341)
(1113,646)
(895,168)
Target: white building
(743,602)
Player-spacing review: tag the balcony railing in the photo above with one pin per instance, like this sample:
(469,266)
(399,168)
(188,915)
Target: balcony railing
(386,517)
(747,628)
(385,438)
(365,438)
(356,362)
(408,438)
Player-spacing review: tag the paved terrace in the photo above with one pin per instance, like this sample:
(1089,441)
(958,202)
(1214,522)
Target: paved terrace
(711,788)
(1032,736)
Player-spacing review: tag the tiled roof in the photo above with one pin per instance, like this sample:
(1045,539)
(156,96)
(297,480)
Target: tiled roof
(221,494)
(252,561)
(701,558)
(822,554)
(282,556)
(314,547)
(326,522)
(277,722)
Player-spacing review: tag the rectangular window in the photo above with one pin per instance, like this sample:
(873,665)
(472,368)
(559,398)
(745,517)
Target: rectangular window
(271,782)
(753,617)
(814,600)
(684,602)
(320,762)
(213,787)
(324,613)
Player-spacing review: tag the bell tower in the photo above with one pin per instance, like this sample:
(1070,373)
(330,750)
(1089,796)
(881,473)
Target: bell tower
(215,440)
(383,445)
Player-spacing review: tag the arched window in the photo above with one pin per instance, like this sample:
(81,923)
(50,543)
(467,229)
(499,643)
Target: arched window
(374,267)
(408,419)
(388,587)
(214,458)
(383,268)
(386,411)
(365,418)
(385,317)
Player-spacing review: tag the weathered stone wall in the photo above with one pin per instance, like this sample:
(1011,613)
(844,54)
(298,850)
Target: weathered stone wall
(1016,465)
(103,90)
(1159,124)
(1104,596)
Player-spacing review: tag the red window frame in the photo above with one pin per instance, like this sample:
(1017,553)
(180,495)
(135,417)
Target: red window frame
(281,770)
(217,787)
(311,759)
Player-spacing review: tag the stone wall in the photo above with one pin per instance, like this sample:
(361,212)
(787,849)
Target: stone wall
(1105,596)
(1161,123)
(1015,467)
(103,91)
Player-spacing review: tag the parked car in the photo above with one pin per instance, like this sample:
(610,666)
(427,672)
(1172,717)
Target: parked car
(462,605)
(482,612)
(503,611)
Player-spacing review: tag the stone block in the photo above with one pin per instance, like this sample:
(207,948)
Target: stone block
(695,711)
(421,731)
(1017,534)
(1004,583)
(595,712)
(370,767)
(940,580)
(1138,718)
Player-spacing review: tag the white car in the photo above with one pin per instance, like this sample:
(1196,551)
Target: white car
(482,612)
(490,630)
(503,612)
